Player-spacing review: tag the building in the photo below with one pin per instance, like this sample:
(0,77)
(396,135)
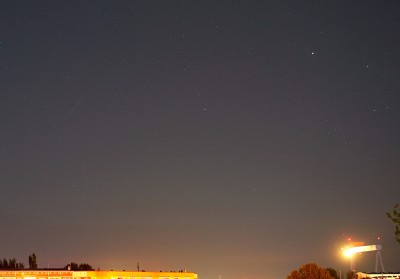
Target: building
(66,274)
(362,275)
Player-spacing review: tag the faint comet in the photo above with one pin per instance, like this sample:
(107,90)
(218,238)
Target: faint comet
(72,109)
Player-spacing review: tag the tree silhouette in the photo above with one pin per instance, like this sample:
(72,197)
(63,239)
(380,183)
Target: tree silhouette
(333,273)
(310,271)
(79,267)
(395,217)
(10,264)
(5,264)
(351,274)
(32,261)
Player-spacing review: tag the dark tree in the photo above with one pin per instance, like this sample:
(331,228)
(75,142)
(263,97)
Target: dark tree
(32,261)
(333,273)
(79,267)
(74,266)
(395,217)
(85,267)
(309,271)
(12,263)
(5,264)
(351,275)
(34,264)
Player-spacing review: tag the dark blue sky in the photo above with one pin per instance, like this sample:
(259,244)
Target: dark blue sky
(236,138)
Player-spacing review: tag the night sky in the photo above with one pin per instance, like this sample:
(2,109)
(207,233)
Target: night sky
(238,139)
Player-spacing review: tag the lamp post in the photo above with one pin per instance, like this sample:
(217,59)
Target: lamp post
(348,253)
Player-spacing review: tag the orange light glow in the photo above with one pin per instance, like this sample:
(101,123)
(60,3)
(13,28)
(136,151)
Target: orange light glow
(347,252)
(355,243)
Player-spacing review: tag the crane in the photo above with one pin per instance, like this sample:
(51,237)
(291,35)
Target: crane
(350,251)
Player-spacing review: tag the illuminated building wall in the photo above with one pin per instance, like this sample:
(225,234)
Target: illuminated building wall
(361,275)
(64,274)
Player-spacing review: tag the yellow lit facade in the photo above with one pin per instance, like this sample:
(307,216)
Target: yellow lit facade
(65,274)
